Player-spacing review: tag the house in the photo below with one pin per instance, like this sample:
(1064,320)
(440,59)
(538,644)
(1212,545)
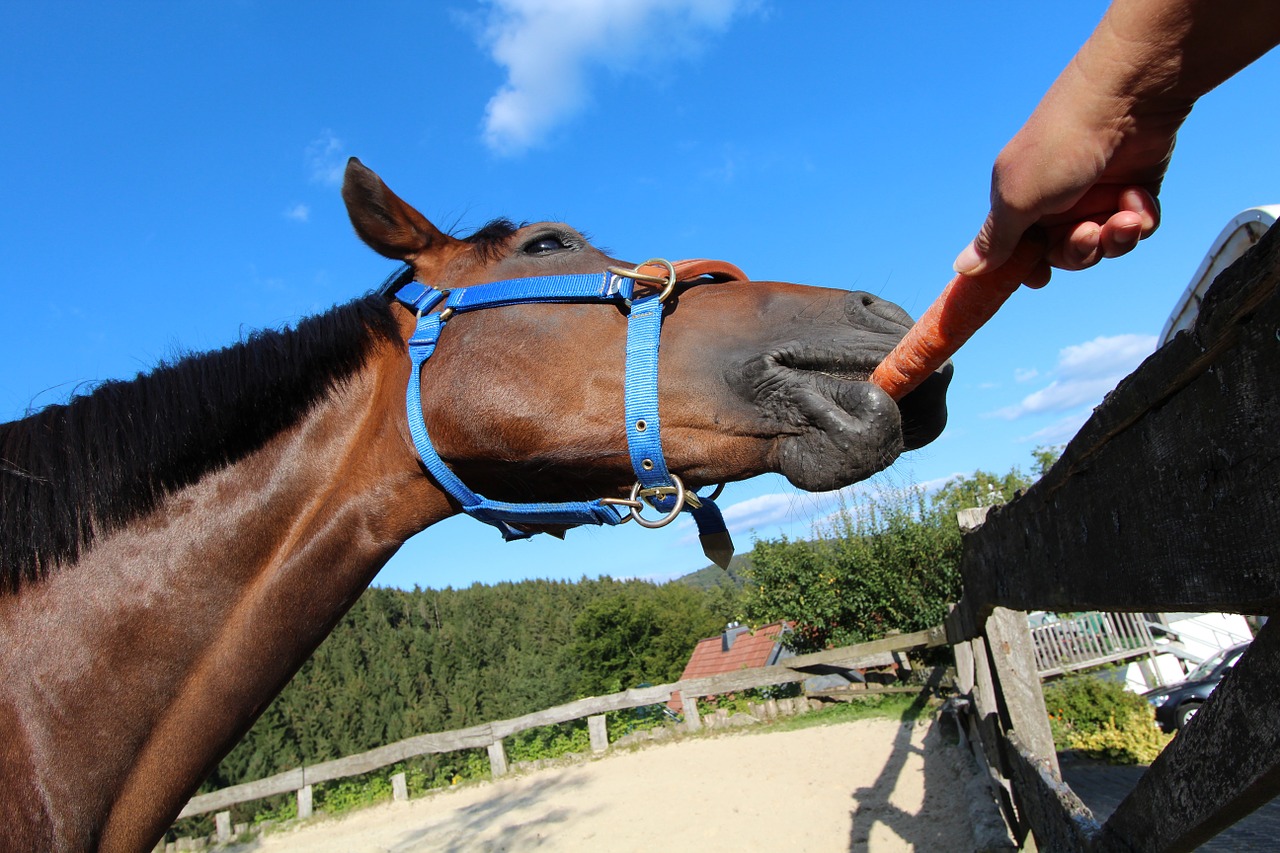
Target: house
(736,647)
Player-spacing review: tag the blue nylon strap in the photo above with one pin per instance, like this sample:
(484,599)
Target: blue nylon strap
(644,429)
(593,287)
(500,514)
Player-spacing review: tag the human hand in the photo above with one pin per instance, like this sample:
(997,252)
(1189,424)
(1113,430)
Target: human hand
(1087,170)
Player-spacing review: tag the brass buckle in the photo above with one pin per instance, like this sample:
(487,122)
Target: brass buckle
(683,496)
(667,282)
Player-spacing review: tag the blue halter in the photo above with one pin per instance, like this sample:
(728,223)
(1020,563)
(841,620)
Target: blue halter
(655,485)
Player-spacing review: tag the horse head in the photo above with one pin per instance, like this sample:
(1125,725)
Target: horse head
(754,376)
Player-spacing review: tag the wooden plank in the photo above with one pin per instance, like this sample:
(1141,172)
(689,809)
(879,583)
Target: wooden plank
(281,783)
(305,801)
(476,737)
(692,719)
(1189,441)
(222,826)
(850,694)
(1060,822)
(964,666)
(1225,764)
(598,732)
(1009,644)
(497,759)
(986,709)
(634,698)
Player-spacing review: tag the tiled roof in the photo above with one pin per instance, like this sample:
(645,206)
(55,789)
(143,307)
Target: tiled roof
(749,650)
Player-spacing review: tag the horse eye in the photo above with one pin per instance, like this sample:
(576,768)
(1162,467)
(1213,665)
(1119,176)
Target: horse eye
(544,245)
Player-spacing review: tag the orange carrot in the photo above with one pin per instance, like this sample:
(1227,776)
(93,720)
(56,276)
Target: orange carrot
(965,305)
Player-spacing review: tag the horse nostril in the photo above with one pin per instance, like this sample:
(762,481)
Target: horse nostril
(870,311)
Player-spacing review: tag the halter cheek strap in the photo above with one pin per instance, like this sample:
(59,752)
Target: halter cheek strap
(655,485)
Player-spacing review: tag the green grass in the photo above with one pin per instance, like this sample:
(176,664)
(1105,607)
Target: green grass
(906,707)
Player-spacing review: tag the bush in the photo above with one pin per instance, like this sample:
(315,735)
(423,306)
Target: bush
(1102,720)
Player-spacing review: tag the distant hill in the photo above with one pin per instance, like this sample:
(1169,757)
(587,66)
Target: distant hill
(713,576)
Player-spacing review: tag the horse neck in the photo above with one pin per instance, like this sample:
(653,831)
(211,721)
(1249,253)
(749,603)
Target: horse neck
(135,671)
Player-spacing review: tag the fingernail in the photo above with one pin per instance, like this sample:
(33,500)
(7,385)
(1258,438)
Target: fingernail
(1128,233)
(969,261)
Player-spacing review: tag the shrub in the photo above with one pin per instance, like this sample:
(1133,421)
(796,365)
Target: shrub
(1102,720)
(1138,741)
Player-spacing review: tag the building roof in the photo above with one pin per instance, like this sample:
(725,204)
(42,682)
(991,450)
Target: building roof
(746,650)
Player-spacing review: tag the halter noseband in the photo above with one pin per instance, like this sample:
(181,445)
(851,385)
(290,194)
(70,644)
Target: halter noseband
(655,485)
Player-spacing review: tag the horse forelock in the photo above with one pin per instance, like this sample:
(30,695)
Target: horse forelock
(491,239)
(72,472)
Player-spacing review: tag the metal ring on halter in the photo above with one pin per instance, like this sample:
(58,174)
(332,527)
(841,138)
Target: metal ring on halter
(667,282)
(678,490)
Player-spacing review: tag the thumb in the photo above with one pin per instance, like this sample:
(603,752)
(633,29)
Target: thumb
(993,245)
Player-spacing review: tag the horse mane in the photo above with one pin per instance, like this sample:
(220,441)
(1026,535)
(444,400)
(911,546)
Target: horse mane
(72,472)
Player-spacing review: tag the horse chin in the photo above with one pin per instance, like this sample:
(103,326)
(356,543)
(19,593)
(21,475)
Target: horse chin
(855,429)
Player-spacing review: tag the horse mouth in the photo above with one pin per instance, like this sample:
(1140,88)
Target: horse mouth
(839,428)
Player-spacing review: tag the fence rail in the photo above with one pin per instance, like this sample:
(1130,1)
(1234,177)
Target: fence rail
(489,735)
(1168,499)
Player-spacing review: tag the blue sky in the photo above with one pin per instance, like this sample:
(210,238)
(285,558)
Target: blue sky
(172,177)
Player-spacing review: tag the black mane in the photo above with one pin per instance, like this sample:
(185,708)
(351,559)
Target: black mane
(72,472)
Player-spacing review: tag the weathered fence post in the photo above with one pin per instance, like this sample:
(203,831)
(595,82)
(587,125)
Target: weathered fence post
(1009,644)
(692,721)
(304,801)
(399,788)
(222,821)
(599,732)
(497,759)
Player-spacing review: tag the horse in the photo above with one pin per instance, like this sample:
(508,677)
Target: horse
(175,546)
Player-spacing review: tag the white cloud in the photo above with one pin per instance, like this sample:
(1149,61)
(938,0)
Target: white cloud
(324,159)
(550,48)
(1025,374)
(764,514)
(1058,432)
(298,213)
(1084,374)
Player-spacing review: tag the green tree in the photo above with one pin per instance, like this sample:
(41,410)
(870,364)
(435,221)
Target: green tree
(885,562)
(641,633)
(888,561)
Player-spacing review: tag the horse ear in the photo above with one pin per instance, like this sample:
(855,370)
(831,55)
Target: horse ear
(388,224)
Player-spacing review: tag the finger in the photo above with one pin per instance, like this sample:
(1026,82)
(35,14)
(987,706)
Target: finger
(1145,204)
(1039,276)
(1076,246)
(1121,233)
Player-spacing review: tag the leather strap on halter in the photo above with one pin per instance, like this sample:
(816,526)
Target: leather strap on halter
(694,268)
(655,484)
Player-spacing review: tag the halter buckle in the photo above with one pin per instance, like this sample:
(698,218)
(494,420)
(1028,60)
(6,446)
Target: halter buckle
(638,491)
(666,282)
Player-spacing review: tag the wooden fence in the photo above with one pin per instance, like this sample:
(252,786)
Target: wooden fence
(1167,500)
(1090,639)
(488,736)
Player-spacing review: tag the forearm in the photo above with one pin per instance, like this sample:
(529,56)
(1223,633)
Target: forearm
(1171,52)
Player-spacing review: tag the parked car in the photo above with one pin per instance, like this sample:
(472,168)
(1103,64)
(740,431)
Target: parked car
(1176,704)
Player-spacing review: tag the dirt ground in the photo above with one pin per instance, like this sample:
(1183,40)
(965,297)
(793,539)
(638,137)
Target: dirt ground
(870,785)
